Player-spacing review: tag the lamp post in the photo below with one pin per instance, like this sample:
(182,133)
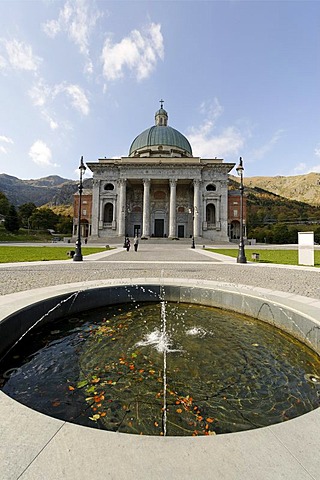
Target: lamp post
(241,258)
(194,211)
(78,255)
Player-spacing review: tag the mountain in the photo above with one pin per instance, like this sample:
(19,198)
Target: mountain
(303,188)
(59,191)
(48,190)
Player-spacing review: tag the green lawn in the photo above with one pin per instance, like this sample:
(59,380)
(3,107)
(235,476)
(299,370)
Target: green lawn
(284,257)
(10,254)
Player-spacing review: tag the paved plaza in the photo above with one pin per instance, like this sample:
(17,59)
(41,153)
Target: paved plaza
(36,447)
(170,260)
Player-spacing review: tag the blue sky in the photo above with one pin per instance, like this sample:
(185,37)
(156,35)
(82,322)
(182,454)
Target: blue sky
(84,77)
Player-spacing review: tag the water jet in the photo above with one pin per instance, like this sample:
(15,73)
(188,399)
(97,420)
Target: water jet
(82,298)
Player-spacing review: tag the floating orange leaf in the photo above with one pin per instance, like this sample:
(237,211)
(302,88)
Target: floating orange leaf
(179,410)
(210,420)
(71,388)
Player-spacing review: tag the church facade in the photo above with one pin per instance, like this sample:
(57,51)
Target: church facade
(159,190)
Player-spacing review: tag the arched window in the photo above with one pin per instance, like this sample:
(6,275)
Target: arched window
(211,213)
(108,213)
(211,187)
(109,186)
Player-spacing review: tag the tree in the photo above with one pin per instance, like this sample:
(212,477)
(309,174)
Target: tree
(280,233)
(11,222)
(64,224)
(43,218)
(25,212)
(4,204)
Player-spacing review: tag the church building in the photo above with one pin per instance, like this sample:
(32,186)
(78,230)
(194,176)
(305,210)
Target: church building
(159,190)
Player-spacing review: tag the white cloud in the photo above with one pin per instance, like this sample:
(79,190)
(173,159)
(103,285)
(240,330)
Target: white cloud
(78,98)
(3,63)
(206,143)
(43,95)
(260,153)
(139,53)
(77,18)
(40,154)
(317,151)
(20,56)
(7,141)
(300,168)
(52,123)
(40,93)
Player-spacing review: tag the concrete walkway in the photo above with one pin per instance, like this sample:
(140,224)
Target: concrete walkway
(36,447)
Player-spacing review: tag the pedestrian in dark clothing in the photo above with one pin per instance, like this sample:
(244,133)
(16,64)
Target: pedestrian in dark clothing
(128,244)
(136,243)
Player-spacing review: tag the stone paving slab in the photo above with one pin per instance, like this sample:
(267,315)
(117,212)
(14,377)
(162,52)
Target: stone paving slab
(83,453)
(36,447)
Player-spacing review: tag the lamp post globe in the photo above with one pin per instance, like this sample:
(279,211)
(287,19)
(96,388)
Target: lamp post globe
(241,258)
(78,255)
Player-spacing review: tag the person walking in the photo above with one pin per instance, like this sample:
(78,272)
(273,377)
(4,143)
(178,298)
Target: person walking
(136,243)
(128,244)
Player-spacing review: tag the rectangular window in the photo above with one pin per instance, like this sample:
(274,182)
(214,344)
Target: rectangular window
(84,212)
(235,213)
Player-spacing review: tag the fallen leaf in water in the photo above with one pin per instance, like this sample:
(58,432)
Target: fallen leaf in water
(71,388)
(81,384)
(95,417)
(179,410)
(210,420)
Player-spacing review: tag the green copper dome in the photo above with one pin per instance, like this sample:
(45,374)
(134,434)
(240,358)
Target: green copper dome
(158,136)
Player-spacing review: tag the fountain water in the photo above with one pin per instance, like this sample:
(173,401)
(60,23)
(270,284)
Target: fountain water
(160,368)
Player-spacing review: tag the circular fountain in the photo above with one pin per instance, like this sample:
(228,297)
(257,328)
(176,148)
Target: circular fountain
(151,332)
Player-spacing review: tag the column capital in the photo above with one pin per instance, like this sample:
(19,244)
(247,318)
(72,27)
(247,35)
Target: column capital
(146,181)
(173,181)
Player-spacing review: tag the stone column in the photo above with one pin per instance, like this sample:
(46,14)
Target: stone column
(173,208)
(95,208)
(218,208)
(102,204)
(122,207)
(196,208)
(146,208)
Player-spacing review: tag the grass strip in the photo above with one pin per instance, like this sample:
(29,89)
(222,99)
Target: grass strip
(12,254)
(282,257)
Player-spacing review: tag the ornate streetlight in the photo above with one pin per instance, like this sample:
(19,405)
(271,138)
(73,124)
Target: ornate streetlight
(78,255)
(194,212)
(241,253)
